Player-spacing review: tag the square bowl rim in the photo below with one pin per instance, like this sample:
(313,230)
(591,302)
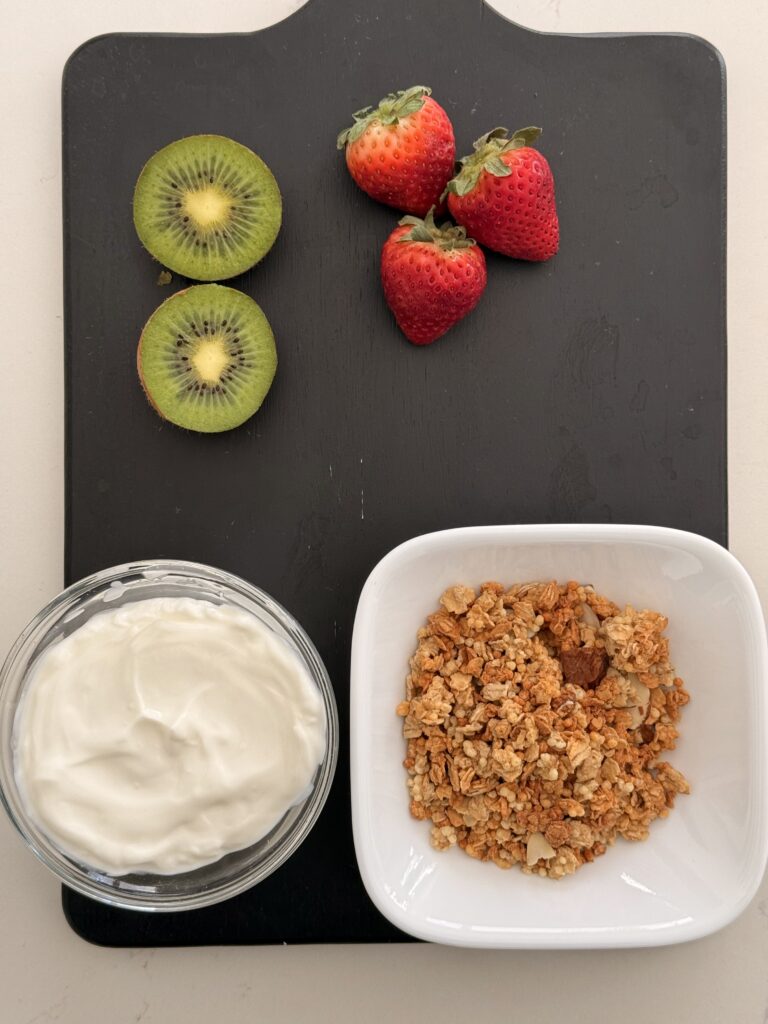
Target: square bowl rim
(556,533)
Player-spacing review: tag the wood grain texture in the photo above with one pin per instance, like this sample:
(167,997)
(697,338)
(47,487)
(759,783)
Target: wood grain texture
(591,388)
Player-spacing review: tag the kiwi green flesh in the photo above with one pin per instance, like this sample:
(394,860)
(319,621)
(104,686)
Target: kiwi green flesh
(207,207)
(207,358)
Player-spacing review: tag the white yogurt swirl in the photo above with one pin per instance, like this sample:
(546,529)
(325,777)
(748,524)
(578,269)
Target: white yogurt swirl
(163,734)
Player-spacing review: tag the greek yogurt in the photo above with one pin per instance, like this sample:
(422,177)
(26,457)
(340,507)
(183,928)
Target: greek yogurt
(163,734)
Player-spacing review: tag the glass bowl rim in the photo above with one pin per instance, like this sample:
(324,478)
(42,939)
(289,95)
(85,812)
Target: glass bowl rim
(14,675)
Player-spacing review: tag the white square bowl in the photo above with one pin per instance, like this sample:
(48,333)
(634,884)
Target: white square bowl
(700,867)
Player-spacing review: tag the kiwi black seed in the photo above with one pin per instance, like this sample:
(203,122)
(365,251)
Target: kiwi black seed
(207,358)
(207,207)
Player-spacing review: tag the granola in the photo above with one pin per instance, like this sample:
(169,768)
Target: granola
(535,716)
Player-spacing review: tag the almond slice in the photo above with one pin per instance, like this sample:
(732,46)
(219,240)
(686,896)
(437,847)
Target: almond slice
(588,617)
(637,716)
(641,692)
(538,849)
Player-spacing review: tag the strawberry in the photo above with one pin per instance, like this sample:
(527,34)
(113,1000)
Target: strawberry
(432,276)
(403,152)
(504,195)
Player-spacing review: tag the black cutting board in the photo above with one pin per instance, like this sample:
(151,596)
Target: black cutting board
(590,388)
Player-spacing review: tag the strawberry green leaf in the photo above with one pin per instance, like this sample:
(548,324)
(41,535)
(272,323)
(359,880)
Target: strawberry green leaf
(526,136)
(491,136)
(496,166)
(463,182)
(418,233)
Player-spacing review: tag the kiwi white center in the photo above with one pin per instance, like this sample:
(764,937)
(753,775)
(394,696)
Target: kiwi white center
(210,359)
(207,206)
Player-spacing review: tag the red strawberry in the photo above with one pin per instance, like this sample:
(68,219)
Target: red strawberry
(504,195)
(432,277)
(403,152)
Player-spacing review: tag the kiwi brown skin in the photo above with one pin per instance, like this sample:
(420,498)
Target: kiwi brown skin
(147,394)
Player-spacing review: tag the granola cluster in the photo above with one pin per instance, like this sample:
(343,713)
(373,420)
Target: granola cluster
(535,717)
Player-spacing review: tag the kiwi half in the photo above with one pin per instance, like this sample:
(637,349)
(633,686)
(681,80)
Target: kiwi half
(207,207)
(207,358)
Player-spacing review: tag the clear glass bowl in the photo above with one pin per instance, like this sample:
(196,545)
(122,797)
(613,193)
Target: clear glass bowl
(236,871)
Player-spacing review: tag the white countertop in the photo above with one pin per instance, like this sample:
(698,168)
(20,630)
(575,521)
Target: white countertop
(46,972)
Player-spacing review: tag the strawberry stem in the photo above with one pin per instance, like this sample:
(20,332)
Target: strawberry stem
(487,157)
(446,237)
(391,109)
